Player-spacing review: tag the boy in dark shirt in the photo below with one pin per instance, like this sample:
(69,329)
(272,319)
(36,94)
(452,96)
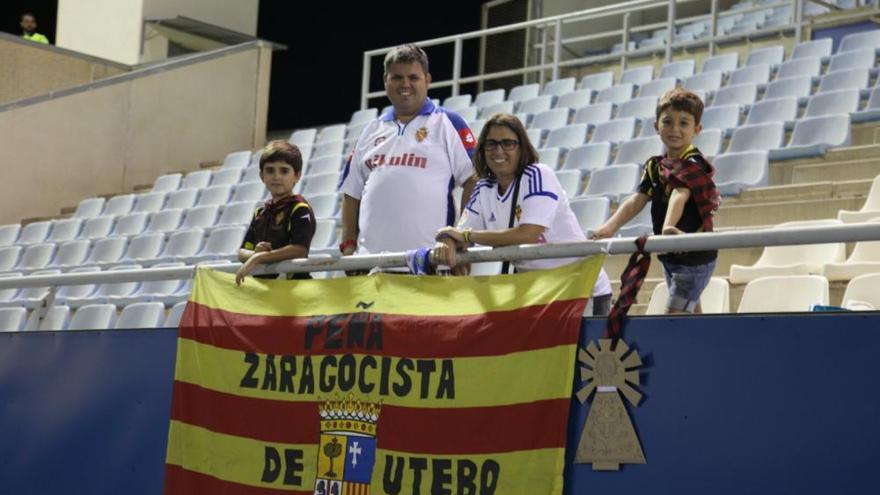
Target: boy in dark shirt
(281,229)
(683,199)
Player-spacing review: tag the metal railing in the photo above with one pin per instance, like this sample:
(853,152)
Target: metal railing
(655,244)
(552,44)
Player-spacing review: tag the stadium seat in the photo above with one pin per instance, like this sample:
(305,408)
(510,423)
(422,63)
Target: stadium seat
(813,136)
(861,293)
(364,116)
(704,81)
(590,212)
(119,205)
(9,234)
(78,293)
(657,87)
(324,165)
(222,245)
(833,102)
(181,245)
(865,258)
(331,133)
(303,137)
(55,318)
(784,293)
(638,150)
(228,177)
(7,295)
(196,180)
(487,98)
(815,48)
(551,119)
(614,131)
(9,257)
(771,55)
(637,75)
(66,229)
(741,94)
(12,319)
(773,110)
(576,99)
(165,220)
(34,233)
(535,105)
(249,191)
(500,107)
(200,217)
(468,114)
(141,315)
(89,208)
(615,182)
(325,234)
(616,94)
(149,202)
(721,63)
(588,157)
(328,148)
(570,180)
(757,137)
(652,42)
(457,103)
(679,70)
(597,82)
(32,297)
(618,47)
(715,298)
(237,159)
(173,319)
(808,66)
(559,87)
(145,247)
(872,109)
(524,92)
(71,254)
(93,317)
(97,228)
(724,117)
(708,141)
(640,108)
(870,209)
(845,79)
(550,157)
(167,183)
(567,137)
(859,41)
(252,174)
(647,128)
(237,213)
(852,60)
(107,251)
(214,196)
(797,86)
(737,171)
(477,126)
(791,260)
(36,257)
(258,154)
(752,74)
(324,205)
(594,114)
(320,184)
(535,136)
(525,118)
(131,224)
(183,198)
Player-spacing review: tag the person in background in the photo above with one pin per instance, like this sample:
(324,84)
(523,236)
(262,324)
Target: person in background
(516,201)
(28,23)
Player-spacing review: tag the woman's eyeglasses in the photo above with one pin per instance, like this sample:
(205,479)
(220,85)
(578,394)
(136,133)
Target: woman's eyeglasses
(506,144)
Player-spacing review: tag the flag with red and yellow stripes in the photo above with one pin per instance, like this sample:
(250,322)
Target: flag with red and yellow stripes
(376,385)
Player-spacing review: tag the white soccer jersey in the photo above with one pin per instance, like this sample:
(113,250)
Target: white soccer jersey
(541,201)
(403,175)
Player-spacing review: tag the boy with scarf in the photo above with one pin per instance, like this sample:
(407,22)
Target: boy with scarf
(683,199)
(283,227)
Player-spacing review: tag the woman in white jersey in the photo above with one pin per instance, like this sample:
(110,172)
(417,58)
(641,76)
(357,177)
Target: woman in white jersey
(512,181)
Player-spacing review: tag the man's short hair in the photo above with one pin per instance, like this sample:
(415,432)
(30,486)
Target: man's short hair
(282,151)
(406,54)
(27,14)
(681,100)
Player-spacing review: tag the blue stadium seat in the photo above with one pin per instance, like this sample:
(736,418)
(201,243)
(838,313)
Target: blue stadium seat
(614,131)
(597,82)
(737,171)
(852,60)
(200,217)
(96,228)
(797,86)
(741,94)
(774,110)
(816,48)
(9,234)
(771,55)
(325,205)
(228,177)
(559,87)
(590,212)
(71,254)
(55,318)
(487,98)
(550,157)
(638,150)
(721,63)
(640,108)
(657,87)
(678,70)
(757,137)
(570,180)
(813,136)
(845,79)
(724,117)
(709,142)
(458,102)
(704,81)
(65,229)
(567,137)
(757,74)
(616,94)
(860,41)
(303,137)
(615,182)
(198,179)
(551,119)
(93,317)
(537,104)
(833,102)
(89,208)
(331,133)
(106,252)
(500,107)
(637,75)
(594,114)
(524,92)
(34,233)
(165,220)
(576,99)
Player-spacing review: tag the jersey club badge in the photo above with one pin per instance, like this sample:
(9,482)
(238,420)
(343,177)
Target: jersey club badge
(421,134)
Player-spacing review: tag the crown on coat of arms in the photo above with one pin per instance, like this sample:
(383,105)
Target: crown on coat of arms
(349,415)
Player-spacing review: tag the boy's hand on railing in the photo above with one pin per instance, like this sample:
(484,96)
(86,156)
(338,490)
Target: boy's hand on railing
(246,268)
(672,231)
(602,232)
(263,247)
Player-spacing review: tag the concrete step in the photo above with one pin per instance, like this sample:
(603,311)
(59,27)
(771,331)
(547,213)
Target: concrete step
(773,213)
(794,192)
(854,162)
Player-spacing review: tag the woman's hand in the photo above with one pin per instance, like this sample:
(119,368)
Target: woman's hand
(444,252)
(450,233)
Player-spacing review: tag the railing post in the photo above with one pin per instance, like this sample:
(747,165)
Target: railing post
(456,67)
(543,55)
(798,20)
(625,29)
(365,81)
(557,48)
(713,27)
(670,30)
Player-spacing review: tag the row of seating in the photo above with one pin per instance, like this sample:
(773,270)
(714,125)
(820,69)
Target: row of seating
(93,317)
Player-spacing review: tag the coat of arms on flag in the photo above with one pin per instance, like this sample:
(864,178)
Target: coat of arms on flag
(347,451)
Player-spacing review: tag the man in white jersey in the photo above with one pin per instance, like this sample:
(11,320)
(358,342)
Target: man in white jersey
(512,182)
(399,179)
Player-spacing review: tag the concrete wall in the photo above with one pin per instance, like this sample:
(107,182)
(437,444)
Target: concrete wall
(30,69)
(121,134)
(108,29)
(237,15)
